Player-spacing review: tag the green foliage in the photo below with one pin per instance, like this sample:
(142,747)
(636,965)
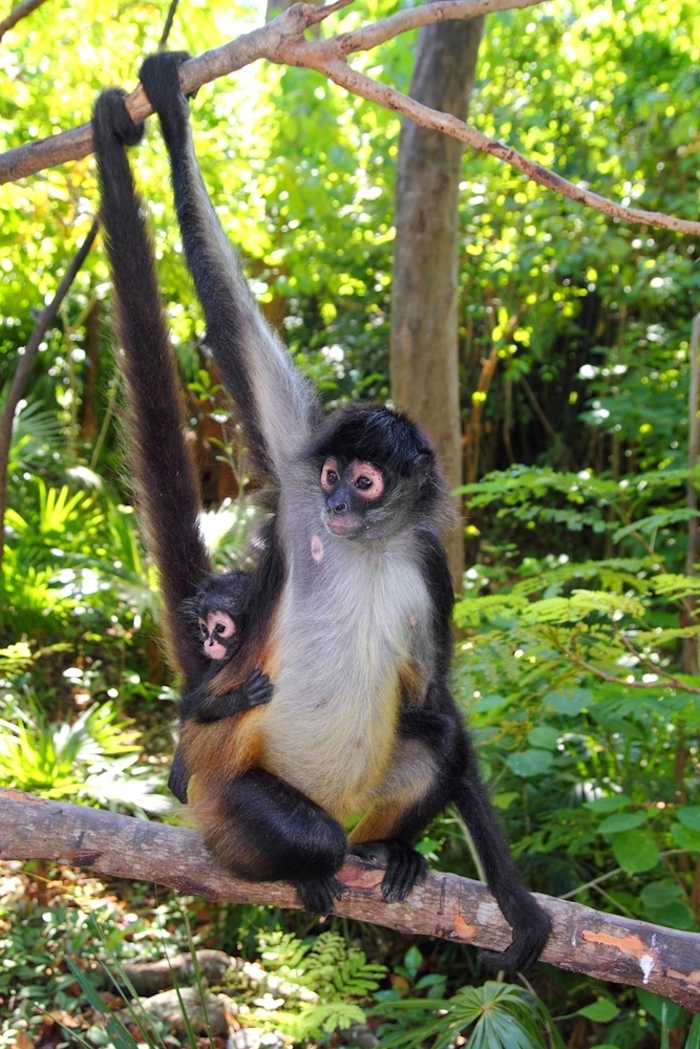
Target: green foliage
(91,759)
(577,616)
(501,1015)
(339,976)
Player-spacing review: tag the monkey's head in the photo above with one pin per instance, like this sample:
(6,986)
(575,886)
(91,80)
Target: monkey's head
(217,609)
(377,473)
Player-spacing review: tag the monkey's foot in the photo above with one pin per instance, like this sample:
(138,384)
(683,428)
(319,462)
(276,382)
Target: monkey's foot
(404,866)
(317,894)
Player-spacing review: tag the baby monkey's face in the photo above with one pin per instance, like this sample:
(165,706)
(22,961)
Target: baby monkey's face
(218,633)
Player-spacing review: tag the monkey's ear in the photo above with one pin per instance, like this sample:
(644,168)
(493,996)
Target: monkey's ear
(420,465)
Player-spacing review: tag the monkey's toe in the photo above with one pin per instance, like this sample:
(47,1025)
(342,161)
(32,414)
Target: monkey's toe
(317,894)
(404,866)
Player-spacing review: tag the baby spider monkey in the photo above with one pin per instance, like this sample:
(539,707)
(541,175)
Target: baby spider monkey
(216,613)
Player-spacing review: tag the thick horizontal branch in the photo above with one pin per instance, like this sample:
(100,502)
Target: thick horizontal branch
(283,41)
(605,946)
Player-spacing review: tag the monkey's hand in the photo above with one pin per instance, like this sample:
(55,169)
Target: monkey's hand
(256,689)
(317,894)
(404,866)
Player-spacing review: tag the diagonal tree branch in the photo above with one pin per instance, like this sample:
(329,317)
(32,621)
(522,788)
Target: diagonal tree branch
(282,41)
(665,961)
(26,362)
(17,14)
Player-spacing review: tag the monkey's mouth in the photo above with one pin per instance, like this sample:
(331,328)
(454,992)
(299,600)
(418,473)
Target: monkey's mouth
(215,651)
(345,526)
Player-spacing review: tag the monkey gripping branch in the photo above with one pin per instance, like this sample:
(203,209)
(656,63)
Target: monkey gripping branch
(282,41)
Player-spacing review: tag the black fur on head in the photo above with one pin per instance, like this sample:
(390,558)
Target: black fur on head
(219,592)
(374,434)
(415,491)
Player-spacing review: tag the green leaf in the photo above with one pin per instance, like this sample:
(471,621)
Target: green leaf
(653,523)
(621,821)
(610,804)
(413,960)
(689,815)
(530,762)
(693,1039)
(677,915)
(635,850)
(601,1011)
(569,701)
(491,702)
(661,1009)
(685,838)
(502,801)
(544,736)
(660,893)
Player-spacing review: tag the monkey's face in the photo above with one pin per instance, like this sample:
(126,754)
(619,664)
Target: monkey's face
(218,633)
(353,495)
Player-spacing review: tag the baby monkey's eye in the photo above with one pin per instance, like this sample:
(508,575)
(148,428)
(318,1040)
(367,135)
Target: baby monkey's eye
(363,483)
(203,628)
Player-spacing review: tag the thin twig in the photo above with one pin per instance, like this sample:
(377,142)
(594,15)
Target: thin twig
(17,14)
(659,671)
(611,874)
(282,41)
(24,367)
(612,680)
(538,410)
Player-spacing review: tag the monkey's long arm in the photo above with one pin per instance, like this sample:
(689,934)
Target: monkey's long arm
(278,406)
(166,484)
(202,706)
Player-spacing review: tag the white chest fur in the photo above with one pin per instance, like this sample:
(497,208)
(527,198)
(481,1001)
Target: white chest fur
(351,616)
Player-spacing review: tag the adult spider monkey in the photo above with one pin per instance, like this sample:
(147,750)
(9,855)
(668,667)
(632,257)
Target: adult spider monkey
(204,611)
(348,609)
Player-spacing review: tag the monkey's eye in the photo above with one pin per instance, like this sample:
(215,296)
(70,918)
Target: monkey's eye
(220,624)
(203,628)
(329,475)
(368,479)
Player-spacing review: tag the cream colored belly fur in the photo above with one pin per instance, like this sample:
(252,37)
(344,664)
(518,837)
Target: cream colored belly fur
(330,727)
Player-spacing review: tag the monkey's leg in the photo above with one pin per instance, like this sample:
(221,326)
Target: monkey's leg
(263,829)
(417,788)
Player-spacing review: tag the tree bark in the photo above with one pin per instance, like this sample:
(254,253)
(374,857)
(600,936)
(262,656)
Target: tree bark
(605,946)
(424,331)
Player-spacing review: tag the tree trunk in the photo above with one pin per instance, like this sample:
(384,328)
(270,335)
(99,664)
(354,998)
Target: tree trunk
(424,336)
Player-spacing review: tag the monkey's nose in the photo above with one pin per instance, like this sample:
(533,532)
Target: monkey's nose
(338,506)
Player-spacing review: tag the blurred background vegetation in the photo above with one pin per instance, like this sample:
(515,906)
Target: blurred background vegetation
(576,658)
